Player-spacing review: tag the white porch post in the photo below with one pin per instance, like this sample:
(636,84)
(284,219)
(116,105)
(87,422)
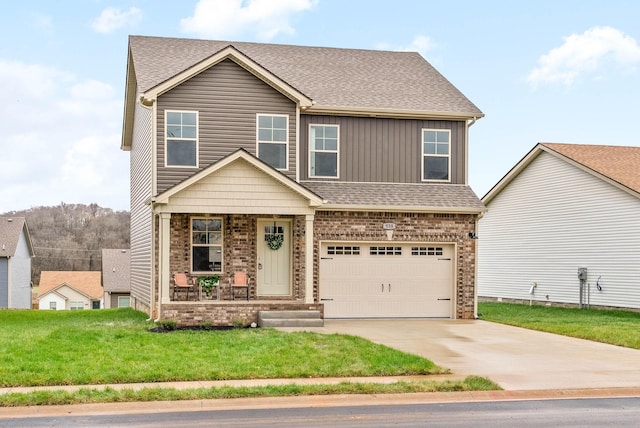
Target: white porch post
(308,258)
(165,248)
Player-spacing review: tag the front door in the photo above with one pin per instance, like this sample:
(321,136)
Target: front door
(274,257)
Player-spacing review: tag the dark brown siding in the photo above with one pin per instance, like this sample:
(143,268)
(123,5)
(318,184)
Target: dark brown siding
(227,98)
(383,150)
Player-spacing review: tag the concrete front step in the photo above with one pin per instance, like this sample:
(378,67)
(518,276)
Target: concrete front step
(290,319)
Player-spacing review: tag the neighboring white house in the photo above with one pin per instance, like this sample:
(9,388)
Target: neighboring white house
(16,252)
(64,290)
(564,207)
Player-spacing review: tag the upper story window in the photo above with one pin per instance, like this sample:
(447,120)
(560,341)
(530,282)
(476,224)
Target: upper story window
(436,158)
(272,134)
(323,150)
(181,138)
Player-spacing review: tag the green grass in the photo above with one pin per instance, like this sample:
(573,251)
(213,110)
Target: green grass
(110,395)
(114,346)
(608,326)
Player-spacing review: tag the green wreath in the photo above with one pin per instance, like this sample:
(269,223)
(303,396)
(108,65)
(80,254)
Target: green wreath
(275,241)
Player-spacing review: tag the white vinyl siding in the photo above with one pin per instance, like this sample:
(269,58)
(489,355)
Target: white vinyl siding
(552,219)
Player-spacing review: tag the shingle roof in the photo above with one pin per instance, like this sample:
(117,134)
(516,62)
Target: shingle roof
(344,78)
(420,197)
(116,265)
(618,163)
(87,282)
(10,230)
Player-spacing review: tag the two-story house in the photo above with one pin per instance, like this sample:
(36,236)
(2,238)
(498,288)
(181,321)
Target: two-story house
(335,178)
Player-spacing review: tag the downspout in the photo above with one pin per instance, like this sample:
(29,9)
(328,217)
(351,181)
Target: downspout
(466,152)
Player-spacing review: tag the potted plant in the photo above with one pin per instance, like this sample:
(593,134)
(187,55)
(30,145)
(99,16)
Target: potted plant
(208,283)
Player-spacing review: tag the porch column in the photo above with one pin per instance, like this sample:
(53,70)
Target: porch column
(165,248)
(308,258)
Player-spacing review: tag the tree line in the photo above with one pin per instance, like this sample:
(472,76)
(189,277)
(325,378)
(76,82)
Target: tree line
(71,236)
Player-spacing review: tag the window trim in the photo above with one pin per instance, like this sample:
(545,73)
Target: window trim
(286,142)
(166,138)
(191,245)
(128,300)
(336,151)
(424,155)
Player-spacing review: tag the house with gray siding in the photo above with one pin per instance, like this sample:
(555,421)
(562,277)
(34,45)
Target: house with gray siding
(116,277)
(336,179)
(561,210)
(16,252)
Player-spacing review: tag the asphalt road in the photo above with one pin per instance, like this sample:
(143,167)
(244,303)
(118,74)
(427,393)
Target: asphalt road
(593,412)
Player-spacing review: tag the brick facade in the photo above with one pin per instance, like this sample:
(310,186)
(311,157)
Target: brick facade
(240,254)
(410,227)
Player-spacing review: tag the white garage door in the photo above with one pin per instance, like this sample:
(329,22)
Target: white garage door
(360,280)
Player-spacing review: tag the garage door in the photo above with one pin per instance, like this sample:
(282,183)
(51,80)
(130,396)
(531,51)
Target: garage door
(386,280)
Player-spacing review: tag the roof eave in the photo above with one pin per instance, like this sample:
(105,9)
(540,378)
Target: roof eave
(392,113)
(403,208)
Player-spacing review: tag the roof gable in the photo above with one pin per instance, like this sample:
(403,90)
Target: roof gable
(11,228)
(243,156)
(617,165)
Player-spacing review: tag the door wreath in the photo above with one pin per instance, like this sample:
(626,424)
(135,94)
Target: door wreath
(275,241)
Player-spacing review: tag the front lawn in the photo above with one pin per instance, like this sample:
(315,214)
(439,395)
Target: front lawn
(608,326)
(115,346)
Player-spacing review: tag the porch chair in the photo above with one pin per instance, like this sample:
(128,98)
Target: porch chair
(239,280)
(181,282)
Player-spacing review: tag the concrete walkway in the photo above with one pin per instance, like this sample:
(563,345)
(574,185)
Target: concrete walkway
(515,358)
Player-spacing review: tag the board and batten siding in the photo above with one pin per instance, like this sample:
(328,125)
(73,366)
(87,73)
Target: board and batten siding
(141,215)
(227,98)
(383,150)
(552,219)
(238,188)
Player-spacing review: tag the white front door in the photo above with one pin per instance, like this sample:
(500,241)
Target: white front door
(274,257)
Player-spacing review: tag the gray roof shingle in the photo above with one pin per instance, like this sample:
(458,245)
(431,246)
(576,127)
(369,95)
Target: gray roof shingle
(116,266)
(10,230)
(331,77)
(421,197)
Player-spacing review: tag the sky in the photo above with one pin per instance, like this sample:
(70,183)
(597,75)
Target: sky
(541,71)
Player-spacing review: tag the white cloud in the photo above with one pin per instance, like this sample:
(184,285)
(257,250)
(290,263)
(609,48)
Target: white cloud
(420,43)
(228,19)
(64,137)
(112,18)
(585,53)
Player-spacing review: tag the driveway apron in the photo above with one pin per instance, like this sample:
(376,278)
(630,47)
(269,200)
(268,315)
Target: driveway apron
(515,358)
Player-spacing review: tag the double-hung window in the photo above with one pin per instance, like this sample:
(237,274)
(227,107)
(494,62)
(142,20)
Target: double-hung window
(272,135)
(206,245)
(181,138)
(323,151)
(436,158)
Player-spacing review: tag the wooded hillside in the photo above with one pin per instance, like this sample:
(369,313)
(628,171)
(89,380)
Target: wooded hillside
(71,236)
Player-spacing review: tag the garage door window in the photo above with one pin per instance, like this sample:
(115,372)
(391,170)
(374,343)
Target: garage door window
(426,251)
(385,251)
(343,250)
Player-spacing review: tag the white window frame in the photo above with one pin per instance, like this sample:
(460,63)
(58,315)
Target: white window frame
(76,305)
(424,155)
(53,305)
(166,138)
(191,245)
(312,150)
(128,301)
(286,142)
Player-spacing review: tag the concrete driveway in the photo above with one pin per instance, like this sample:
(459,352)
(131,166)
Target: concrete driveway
(515,358)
